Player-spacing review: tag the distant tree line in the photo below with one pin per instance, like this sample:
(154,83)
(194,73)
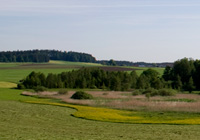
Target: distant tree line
(112,62)
(39,56)
(24,56)
(44,56)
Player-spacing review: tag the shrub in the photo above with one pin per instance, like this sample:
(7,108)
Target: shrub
(148,95)
(81,95)
(40,89)
(63,91)
(93,87)
(166,92)
(154,93)
(20,86)
(105,93)
(161,92)
(136,92)
(151,92)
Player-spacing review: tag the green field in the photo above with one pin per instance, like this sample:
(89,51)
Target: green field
(24,121)
(159,70)
(32,121)
(20,120)
(13,72)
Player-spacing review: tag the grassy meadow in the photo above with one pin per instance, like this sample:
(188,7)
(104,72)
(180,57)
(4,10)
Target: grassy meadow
(25,117)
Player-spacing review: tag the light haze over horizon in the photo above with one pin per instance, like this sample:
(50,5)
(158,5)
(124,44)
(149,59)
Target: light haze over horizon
(131,30)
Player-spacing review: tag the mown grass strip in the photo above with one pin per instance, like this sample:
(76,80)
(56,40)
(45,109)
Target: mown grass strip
(7,85)
(15,95)
(122,116)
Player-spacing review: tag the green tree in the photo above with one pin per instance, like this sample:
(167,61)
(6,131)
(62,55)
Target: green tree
(112,62)
(167,75)
(178,83)
(196,75)
(115,83)
(190,85)
(143,82)
(134,78)
(51,81)
(125,81)
(152,78)
(184,68)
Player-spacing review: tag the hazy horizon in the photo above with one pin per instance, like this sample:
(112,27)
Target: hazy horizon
(129,30)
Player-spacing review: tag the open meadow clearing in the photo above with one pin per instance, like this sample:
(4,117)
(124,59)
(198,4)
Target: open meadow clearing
(25,117)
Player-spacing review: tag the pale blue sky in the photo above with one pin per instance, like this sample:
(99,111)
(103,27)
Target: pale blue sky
(133,30)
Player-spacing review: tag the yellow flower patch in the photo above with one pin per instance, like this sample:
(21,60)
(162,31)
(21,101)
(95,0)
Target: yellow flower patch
(114,115)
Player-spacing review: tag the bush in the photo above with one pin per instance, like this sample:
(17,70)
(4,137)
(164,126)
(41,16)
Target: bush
(161,92)
(93,87)
(105,93)
(63,91)
(20,86)
(136,92)
(148,95)
(166,92)
(151,92)
(40,89)
(81,95)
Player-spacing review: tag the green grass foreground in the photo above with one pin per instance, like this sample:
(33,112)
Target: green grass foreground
(19,120)
(33,121)
(107,114)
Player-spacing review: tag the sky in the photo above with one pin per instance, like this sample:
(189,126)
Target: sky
(131,30)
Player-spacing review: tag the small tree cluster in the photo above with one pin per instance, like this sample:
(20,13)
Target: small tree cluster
(81,95)
(95,78)
(184,75)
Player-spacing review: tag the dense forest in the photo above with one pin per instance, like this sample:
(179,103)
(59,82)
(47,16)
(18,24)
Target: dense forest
(184,75)
(39,56)
(44,56)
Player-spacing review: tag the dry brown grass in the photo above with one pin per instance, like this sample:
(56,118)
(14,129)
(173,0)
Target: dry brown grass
(125,100)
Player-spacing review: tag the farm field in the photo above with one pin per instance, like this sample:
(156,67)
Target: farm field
(13,72)
(20,120)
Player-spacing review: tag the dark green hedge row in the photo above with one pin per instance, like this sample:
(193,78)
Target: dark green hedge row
(44,56)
